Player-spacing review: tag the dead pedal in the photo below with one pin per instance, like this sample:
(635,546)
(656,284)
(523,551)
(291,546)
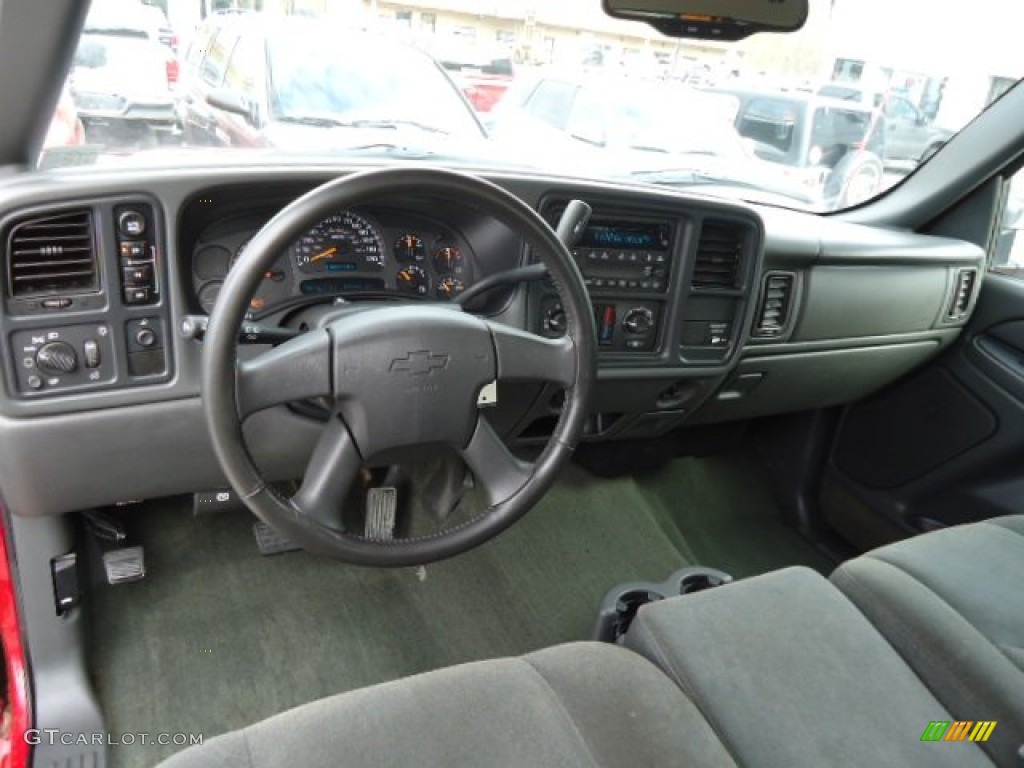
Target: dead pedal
(124,564)
(381,506)
(270,541)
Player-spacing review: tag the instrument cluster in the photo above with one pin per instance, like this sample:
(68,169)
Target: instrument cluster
(350,254)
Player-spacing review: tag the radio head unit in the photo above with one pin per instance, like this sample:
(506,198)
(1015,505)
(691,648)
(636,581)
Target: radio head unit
(625,254)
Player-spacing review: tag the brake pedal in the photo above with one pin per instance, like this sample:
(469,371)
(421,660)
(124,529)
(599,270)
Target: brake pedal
(124,565)
(270,541)
(381,506)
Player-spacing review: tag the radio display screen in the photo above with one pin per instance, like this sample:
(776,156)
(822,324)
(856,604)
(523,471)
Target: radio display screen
(628,235)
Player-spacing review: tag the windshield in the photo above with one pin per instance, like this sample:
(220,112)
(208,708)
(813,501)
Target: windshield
(822,119)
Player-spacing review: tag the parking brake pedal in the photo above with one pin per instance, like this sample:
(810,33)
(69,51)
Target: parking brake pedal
(124,564)
(270,541)
(381,505)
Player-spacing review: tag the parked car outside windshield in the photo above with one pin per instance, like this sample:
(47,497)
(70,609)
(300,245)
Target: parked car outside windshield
(415,80)
(250,83)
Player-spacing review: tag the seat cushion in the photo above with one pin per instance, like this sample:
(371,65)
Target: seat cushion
(952,603)
(583,704)
(789,673)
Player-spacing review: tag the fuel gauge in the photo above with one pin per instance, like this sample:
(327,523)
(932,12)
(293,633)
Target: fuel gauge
(448,258)
(414,280)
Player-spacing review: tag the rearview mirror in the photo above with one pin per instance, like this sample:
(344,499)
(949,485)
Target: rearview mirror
(712,19)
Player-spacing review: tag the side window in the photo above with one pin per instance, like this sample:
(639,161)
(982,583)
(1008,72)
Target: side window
(901,109)
(244,71)
(551,103)
(212,70)
(1008,256)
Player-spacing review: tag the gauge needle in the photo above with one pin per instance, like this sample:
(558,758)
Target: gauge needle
(405,276)
(324,255)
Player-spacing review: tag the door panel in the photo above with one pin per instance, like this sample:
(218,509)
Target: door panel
(946,445)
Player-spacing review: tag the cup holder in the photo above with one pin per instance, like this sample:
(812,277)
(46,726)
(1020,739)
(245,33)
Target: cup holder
(619,607)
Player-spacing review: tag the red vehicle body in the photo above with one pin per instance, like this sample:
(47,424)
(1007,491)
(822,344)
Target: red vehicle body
(484,91)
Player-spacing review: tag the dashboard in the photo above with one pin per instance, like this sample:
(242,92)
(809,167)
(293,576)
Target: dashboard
(706,311)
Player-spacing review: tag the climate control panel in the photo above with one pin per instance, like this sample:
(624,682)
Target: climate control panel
(622,325)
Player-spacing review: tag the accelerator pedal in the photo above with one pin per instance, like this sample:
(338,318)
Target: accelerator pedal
(381,505)
(270,541)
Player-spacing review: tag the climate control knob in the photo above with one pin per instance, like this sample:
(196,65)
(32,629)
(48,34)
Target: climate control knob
(56,357)
(638,320)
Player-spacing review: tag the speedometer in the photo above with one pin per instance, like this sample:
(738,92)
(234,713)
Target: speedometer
(345,242)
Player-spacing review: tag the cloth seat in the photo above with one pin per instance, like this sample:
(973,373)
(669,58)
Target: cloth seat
(789,673)
(583,704)
(952,603)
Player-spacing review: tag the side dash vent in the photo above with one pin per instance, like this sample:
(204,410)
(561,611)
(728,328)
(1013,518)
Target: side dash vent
(963,292)
(774,308)
(52,255)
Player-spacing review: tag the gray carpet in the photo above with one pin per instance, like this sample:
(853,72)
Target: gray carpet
(217,637)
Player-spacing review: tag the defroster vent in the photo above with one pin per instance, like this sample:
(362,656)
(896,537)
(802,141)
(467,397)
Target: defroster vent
(52,255)
(776,301)
(719,255)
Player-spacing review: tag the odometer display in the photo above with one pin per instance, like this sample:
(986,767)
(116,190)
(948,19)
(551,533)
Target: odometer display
(343,243)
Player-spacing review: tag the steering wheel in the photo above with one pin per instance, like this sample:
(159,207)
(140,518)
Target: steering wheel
(396,377)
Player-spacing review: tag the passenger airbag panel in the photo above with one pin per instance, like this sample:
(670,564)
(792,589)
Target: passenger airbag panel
(849,302)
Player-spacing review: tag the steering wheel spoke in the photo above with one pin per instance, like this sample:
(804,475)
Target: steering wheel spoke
(527,356)
(329,476)
(297,370)
(499,472)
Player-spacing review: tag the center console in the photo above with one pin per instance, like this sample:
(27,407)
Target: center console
(626,262)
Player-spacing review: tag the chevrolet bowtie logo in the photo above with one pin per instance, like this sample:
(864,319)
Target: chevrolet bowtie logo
(419,363)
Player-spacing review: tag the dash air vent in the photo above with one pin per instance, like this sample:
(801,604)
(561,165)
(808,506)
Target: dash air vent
(52,255)
(719,255)
(776,300)
(962,293)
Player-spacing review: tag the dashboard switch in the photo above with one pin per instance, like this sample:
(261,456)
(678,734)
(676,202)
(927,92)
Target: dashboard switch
(92,353)
(136,295)
(133,249)
(138,275)
(145,337)
(131,223)
(56,357)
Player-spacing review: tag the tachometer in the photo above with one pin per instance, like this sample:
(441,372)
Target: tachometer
(345,242)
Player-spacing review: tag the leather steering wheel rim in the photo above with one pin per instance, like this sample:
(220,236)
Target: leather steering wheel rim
(296,370)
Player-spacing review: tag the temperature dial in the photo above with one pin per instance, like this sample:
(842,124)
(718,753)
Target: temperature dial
(414,280)
(638,320)
(449,288)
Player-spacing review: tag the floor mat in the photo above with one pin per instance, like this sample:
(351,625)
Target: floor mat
(218,637)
